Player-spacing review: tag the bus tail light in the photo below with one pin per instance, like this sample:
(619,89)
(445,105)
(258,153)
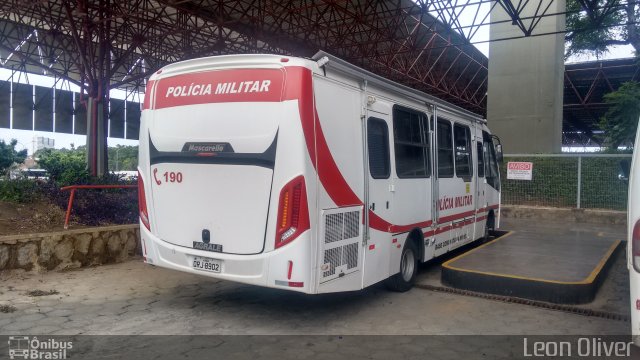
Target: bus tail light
(293,212)
(142,203)
(635,246)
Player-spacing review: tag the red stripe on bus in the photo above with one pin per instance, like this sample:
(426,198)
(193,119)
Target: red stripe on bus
(484,209)
(299,85)
(456,216)
(147,95)
(449,227)
(405,228)
(442,229)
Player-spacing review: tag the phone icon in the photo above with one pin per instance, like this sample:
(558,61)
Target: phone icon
(155,177)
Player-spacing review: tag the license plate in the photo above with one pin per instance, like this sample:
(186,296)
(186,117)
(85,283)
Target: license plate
(207,264)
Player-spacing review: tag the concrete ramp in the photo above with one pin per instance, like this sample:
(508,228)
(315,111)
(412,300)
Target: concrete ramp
(561,269)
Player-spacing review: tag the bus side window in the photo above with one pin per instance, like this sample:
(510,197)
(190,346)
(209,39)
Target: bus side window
(378,144)
(445,149)
(411,143)
(480,152)
(462,138)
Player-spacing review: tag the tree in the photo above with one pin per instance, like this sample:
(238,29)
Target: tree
(65,167)
(621,120)
(604,24)
(9,155)
(123,158)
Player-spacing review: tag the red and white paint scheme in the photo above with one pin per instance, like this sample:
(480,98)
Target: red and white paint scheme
(311,175)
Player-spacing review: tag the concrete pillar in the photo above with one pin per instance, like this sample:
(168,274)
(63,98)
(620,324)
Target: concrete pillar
(526,77)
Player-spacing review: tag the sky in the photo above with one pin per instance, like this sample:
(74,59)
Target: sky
(26,138)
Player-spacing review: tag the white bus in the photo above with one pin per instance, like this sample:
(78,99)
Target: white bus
(31,174)
(311,175)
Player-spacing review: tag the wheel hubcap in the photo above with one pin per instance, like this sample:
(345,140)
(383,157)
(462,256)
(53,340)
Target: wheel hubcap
(407,265)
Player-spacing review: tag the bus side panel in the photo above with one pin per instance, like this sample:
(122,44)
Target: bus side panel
(340,170)
(292,160)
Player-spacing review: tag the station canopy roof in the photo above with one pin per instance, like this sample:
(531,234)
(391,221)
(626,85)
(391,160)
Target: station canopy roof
(122,42)
(585,85)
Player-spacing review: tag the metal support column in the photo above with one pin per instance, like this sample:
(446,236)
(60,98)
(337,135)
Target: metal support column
(579,182)
(96,136)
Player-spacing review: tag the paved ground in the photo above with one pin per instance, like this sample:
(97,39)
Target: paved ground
(134,298)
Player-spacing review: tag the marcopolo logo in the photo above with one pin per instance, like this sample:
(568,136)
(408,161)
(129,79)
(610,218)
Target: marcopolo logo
(25,347)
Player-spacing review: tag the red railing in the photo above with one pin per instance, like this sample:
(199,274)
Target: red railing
(73,189)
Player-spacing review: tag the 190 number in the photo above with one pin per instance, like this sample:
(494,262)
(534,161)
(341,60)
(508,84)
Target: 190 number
(174,177)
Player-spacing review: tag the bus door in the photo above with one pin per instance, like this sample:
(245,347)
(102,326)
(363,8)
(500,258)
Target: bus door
(380,186)
(412,196)
(481,183)
(456,188)
(466,192)
(492,174)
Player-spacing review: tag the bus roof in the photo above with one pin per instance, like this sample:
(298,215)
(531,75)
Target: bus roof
(231,61)
(349,69)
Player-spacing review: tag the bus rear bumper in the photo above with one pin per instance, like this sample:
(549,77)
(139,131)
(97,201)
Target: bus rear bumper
(248,269)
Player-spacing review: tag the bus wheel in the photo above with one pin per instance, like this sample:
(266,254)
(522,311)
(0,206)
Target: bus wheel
(406,277)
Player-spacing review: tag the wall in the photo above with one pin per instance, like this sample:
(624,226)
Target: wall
(591,216)
(70,249)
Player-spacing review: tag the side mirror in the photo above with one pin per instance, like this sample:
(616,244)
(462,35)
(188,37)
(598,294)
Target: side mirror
(625,170)
(498,148)
(499,155)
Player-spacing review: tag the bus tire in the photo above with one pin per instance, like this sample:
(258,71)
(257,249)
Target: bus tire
(406,277)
